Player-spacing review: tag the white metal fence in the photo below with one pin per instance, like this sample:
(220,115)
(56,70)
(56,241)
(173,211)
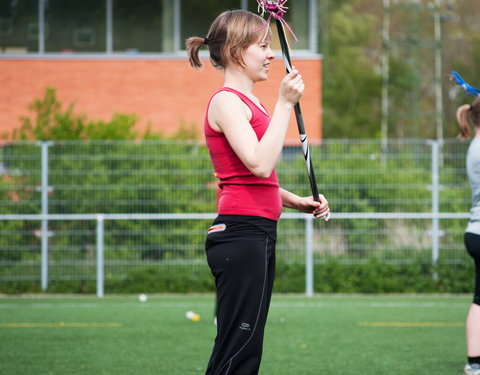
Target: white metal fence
(101,210)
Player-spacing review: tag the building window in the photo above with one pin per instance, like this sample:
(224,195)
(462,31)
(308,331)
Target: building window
(297,17)
(193,25)
(16,33)
(138,25)
(129,27)
(75,26)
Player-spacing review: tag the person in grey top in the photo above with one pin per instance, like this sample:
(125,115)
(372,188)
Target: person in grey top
(468,117)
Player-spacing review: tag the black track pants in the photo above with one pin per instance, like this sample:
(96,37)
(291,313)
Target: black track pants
(472,243)
(241,255)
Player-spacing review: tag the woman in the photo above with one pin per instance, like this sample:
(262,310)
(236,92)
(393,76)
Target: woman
(245,144)
(468,116)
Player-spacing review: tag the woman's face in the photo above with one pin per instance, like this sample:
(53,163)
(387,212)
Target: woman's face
(257,58)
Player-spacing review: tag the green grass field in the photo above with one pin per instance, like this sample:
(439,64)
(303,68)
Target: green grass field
(337,335)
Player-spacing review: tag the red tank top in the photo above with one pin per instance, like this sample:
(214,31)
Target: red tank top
(242,193)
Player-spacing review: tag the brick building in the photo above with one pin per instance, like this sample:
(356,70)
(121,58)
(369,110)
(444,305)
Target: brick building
(128,56)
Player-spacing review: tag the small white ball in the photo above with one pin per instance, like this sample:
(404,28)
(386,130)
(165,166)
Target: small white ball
(193,316)
(142,298)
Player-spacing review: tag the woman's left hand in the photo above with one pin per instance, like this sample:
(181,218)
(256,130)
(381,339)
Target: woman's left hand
(318,209)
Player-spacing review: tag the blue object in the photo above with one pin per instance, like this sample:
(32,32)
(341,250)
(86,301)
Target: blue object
(469,90)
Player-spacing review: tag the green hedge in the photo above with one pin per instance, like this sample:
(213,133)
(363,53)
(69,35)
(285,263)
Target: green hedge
(331,277)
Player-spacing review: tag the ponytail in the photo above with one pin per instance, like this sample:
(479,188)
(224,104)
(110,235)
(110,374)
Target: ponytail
(468,116)
(193,45)
(463,121)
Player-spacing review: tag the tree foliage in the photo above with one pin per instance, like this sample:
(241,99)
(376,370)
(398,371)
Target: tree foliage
(351,43)
(351,84)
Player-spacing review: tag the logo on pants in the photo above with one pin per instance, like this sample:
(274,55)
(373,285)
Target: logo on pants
(216,228)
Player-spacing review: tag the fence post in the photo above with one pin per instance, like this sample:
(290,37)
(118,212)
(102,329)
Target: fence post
(435,187)
(44,188)
(309,255)
(100,255)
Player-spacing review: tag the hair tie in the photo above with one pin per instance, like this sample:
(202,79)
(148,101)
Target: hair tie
(205,40)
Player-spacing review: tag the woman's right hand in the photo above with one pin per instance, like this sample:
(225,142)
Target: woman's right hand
(291,88)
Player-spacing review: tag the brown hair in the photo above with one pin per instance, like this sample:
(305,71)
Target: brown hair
(468,116)
(230,33)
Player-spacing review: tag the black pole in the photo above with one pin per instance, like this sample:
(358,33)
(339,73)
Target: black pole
(298,114)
